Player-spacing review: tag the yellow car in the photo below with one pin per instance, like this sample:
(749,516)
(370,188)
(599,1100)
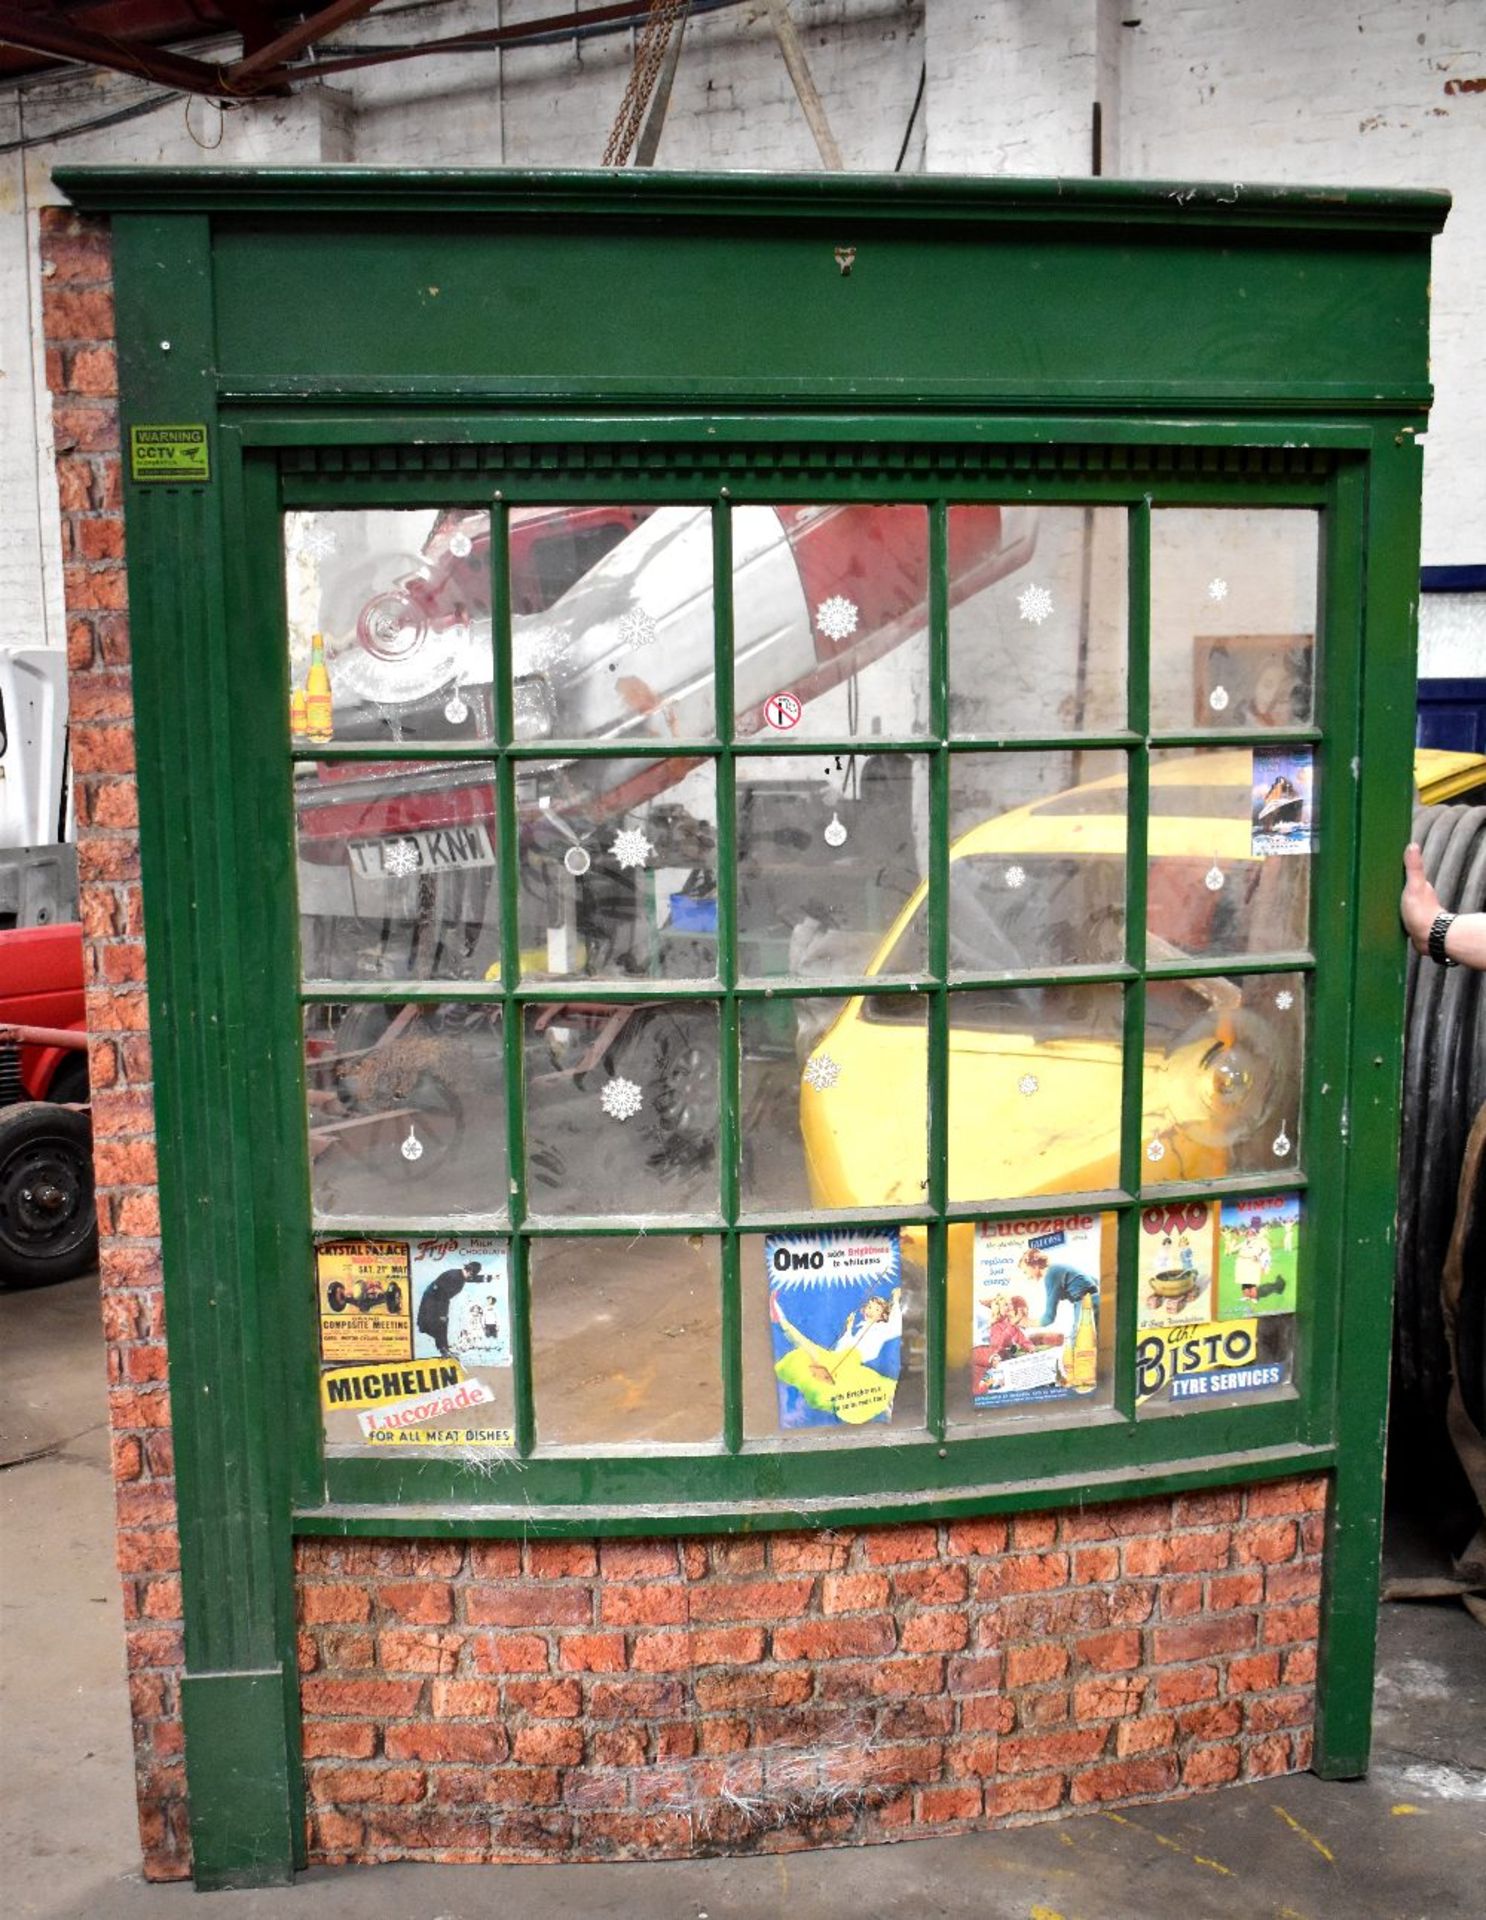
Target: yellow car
(1035,1074)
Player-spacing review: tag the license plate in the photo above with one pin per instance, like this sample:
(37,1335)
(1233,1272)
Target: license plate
(399,856)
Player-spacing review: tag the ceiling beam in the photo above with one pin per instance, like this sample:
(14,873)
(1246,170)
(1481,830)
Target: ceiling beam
(23,28)
(262,61)
(552,25)
(255,25)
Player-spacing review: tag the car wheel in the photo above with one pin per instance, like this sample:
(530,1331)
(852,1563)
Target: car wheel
(393,1298)
(677,1065)
(48,1222)
(70,1082)
(335,1297)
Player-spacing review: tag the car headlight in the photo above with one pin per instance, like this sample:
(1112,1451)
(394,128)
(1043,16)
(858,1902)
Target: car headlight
(534,709)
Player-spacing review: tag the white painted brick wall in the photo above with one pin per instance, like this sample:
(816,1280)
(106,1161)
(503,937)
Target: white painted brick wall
(1354,95)
(1268,91)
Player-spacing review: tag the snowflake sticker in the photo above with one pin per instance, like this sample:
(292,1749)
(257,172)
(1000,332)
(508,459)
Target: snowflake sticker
(1156,1150)
(1016,877)
(1213,878)
(1034,604)
(1218,699)
(411,1148)
(400,859)
(461,546)
(1217,589)
(1281,1143)
(631,848)
(316,542)
(637,628)
(837,617)
(835,833)
(1284,999)
(621,1099)
(822,1072)
(577,861)
(1027,1084)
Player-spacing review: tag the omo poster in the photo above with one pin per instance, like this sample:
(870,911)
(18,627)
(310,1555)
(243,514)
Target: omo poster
(836,1325)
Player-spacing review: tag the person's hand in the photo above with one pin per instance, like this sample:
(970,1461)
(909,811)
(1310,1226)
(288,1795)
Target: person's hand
(1420,903)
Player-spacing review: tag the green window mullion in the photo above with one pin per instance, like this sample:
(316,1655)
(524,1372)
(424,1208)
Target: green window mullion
(1240,737)
(729,1078)
(1040,742)
(1225,966)
(1334,886)
(785,748)
(513,1028)
(1138,769)
(938,1061)
(346,751)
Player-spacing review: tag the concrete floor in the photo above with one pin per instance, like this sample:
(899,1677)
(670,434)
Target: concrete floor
(1409,1843)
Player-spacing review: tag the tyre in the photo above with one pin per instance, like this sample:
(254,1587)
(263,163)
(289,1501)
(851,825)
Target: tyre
(70,1082)
(394,1298)
(673,1057)
(335,1297)
(48,1224)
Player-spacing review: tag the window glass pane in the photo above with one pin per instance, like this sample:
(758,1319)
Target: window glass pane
(1036,1311)
(416,1345)
(1037,861)
(621,1109)
(612,631)
(626,1340)
(1231,839)
(400,602)
(397,871)
(1224,1062)
(830,621)
(1233,617)
(1034,1091)
(833,1345)
(832,1110)
(407,1111)
(1219,1288)
(830,847)
(1037,620)
(618,869)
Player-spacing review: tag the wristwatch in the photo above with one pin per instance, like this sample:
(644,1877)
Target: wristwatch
(1439,927)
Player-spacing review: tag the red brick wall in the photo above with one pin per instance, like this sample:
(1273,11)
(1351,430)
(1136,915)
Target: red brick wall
(497,1701)
(77,314)
(582,1701)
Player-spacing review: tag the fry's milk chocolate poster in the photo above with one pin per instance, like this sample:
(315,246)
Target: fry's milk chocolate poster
(836,1325)
(1259,1256)
(1178,1252)
(462,1301)
(1035,1333)
(1210,1362)
(365,1300)
(1281,814)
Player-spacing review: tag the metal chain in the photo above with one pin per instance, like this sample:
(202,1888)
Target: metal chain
(649,56)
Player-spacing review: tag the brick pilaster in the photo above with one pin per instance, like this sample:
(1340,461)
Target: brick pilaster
(78,322)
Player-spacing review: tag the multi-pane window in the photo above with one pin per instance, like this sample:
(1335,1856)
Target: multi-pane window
(787,975)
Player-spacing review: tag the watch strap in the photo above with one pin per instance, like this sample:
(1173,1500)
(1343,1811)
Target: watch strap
(1439,927)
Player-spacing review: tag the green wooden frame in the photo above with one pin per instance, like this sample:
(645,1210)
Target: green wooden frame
(735,362)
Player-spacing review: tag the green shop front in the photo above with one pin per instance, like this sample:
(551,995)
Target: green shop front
(768,812)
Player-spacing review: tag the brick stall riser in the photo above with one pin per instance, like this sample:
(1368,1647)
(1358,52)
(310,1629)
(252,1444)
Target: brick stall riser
(77,313)
(496,1701)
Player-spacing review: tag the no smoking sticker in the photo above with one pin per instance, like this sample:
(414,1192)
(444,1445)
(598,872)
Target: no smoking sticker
(782,711)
